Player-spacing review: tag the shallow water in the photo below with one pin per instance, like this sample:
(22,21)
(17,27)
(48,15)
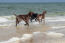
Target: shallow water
(9,30)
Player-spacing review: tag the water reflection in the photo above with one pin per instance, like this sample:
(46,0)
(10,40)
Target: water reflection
(13,31)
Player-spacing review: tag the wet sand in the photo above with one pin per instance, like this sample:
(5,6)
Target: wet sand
(53,24)
(8,32)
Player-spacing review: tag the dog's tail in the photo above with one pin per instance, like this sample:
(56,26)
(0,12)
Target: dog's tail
(15,14)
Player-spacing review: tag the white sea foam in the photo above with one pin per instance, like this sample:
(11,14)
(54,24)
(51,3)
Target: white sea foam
(3,20)
(12,40)
(7,19)
(44,37)
(26,38)
(49,34)
(27,35)
(37,37)
(57,27)
(54,19)
(55,35)
(35,23)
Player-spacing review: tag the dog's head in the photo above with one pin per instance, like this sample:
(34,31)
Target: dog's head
(30,13)
(44,12)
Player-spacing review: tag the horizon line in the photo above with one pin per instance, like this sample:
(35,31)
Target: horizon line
(31,2)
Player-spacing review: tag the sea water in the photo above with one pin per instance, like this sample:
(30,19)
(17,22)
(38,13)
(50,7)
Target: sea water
(55,19)
(24,8)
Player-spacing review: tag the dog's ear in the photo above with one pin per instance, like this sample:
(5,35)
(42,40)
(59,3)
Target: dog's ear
(45,11)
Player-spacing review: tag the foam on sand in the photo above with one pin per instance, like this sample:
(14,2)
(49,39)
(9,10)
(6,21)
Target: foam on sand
(48,34)
(55,35)
(12,40)
(39,37)
(26,38)
(44,37)
(36,37)
(57,27)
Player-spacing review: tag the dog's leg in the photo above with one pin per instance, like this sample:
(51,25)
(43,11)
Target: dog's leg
(27,21)
(38,20)
(44,21)
(41,19)
(17,22)
(31,19)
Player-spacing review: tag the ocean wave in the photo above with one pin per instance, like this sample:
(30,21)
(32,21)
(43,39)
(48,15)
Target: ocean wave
(57,27)
(37,37)
(55,19)
(5,20)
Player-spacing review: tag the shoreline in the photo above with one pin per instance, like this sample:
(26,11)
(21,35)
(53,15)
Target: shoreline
(8,31)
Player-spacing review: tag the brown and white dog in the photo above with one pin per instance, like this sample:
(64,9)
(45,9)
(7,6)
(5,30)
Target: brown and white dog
(24,17)
(41,16)
(37,16)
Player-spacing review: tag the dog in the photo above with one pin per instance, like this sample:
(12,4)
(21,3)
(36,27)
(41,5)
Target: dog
(33,16)
(37,16)
(41,16)
(24,17)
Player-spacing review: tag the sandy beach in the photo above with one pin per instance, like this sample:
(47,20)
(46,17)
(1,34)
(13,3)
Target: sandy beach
(7,32)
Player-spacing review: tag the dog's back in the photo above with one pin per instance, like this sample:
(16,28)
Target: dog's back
(22,17)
